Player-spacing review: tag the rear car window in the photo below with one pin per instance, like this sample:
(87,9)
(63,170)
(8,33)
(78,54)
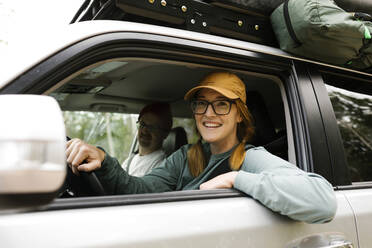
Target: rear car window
(353,112)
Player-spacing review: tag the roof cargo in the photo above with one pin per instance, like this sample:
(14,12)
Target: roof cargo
(244,20)
(321,30)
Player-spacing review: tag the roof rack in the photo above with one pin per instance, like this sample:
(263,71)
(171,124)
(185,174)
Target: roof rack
(224,18)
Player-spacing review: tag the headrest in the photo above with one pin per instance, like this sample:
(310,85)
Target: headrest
(176,138)
(264,128)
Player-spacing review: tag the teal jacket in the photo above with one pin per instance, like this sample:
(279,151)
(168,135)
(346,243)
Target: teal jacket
(274,182)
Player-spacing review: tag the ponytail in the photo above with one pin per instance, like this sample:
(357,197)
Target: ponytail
(196,159)
(245,134)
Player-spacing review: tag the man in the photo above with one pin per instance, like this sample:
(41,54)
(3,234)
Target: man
(154,123)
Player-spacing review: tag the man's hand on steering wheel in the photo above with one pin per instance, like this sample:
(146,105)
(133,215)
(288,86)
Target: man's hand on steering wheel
(83,157)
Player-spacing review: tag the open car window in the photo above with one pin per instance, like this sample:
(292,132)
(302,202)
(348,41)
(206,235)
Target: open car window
(116,132)
(101,103)
(113,131)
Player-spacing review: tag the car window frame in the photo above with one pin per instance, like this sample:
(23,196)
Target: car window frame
(309,123)
(43,76)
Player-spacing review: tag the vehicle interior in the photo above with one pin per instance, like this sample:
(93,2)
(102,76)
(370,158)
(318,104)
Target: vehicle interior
(125,85)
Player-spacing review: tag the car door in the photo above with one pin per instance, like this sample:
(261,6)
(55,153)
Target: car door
(212,218)
(346,109)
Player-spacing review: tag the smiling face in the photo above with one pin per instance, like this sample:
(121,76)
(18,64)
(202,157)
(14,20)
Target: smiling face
(150,139)
(218,130)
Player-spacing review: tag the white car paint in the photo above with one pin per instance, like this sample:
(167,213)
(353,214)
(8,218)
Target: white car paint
(361,202)
(233,222)
(25,56)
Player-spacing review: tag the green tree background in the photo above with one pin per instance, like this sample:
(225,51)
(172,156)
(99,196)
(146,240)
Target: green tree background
(114,132)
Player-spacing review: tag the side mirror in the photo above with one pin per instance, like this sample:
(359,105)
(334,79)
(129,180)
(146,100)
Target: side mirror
(32,151)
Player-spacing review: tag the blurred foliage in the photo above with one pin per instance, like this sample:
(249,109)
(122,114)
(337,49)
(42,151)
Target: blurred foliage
(113,132)
(354,117)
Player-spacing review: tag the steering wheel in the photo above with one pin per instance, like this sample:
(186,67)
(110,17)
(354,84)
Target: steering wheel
(87,184)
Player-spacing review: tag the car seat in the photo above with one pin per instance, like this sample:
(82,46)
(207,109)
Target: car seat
(265,134)
(176,138)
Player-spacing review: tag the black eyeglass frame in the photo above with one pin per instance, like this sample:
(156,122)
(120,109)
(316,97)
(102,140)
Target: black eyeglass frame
(151,128)
(211,103)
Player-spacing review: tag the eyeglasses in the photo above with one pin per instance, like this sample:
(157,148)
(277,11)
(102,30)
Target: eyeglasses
(220,107)
(150,128)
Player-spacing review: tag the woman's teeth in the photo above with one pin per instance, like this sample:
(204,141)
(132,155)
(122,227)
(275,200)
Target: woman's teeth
(211,125)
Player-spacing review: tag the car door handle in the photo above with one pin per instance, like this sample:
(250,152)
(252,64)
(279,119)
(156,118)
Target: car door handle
(346,244)
(321,240)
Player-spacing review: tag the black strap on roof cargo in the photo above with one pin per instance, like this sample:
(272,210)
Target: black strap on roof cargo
(289,24)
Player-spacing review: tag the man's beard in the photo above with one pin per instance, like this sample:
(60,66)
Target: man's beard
(144,141)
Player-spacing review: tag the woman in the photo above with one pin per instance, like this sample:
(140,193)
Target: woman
(225,125)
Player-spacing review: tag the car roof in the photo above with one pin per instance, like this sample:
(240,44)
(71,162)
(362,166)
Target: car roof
(51,41)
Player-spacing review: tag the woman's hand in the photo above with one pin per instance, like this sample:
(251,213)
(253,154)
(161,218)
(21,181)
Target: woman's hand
(83,157)
(223,181)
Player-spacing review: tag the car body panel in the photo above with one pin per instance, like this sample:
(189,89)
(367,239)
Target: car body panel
(55,40)
(204,223)
(62,38)
(361,202)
